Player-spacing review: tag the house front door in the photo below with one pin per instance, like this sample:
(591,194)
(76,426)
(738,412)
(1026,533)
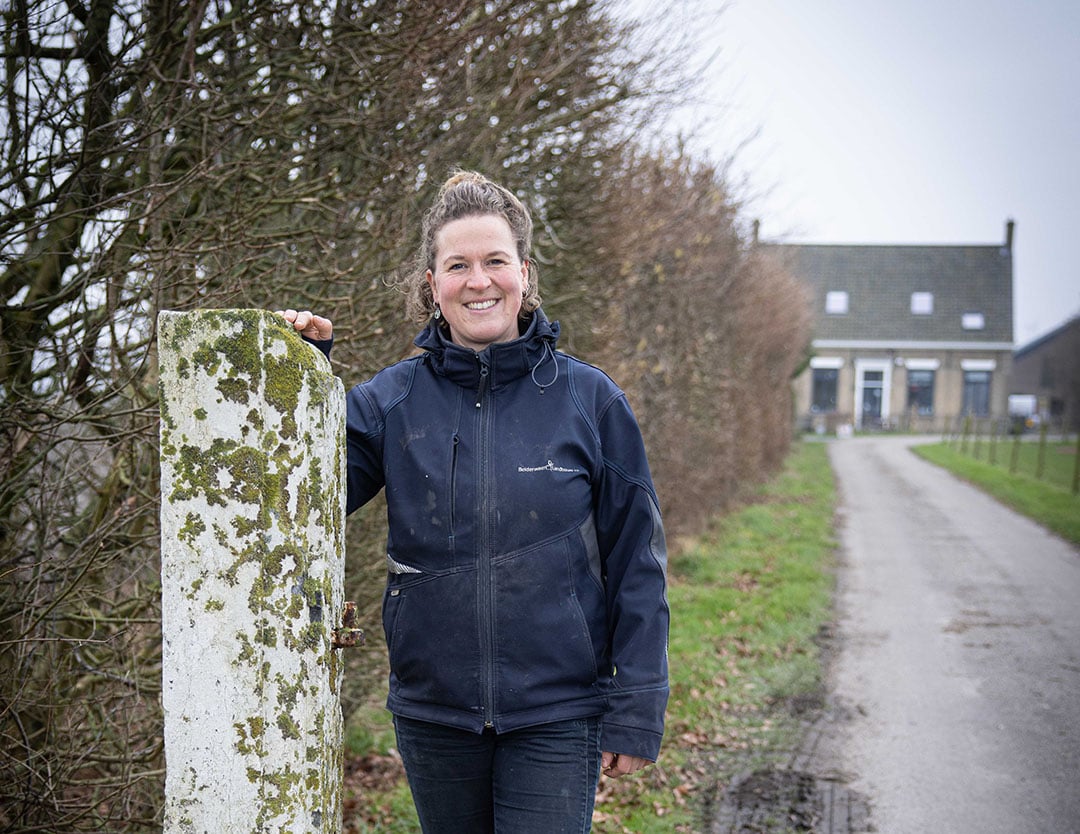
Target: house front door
(872,380)
(872,383)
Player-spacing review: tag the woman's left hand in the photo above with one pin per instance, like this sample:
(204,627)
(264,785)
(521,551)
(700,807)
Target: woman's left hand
(620,764)
(307,324)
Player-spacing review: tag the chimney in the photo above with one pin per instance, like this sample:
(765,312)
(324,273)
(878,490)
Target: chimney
(1009,227)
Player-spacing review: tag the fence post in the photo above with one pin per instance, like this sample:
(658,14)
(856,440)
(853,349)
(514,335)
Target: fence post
(1076,467)
(1041,461)
(964,435)
(1014,457)
(252,561)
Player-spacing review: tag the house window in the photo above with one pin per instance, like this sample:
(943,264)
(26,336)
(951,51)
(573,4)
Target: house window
(823,389)
(922,303)
(836,303)
(920,392)
(977,393)
(973,321)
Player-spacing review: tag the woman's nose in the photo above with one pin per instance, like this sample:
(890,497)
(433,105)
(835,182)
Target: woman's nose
(478,276)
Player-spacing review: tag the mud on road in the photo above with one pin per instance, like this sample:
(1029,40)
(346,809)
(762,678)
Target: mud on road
(776,801)
(800,791)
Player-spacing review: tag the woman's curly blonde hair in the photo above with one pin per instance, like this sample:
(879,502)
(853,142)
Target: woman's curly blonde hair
(467,194)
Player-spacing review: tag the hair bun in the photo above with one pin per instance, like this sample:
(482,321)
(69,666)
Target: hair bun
(459,177)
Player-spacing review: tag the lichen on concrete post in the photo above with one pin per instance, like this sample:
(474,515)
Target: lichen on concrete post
(252,551)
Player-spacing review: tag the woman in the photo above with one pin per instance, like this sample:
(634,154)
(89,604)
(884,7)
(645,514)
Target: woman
(525,610)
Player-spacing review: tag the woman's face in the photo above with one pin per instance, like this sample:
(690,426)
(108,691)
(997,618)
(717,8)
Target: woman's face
(478,281)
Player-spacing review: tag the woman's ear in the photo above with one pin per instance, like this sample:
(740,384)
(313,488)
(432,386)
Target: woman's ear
(430,278)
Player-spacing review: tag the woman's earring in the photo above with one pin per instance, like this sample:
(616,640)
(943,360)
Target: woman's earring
(438,313)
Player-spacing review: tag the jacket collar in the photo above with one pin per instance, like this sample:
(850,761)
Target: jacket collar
(504,361)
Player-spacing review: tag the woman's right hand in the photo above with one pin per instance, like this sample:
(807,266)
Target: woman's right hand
(309,325)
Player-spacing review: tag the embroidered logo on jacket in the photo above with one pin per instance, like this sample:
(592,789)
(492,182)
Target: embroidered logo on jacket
(547,467)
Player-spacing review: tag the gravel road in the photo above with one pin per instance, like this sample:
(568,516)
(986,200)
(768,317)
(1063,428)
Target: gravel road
(957,666)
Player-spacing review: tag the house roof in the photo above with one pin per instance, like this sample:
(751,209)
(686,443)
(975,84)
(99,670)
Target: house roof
(1047,338)
(880,280)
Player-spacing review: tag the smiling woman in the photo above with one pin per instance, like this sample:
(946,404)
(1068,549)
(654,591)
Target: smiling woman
(525,556)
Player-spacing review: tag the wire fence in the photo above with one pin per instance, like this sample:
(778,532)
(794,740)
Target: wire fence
(1045,452)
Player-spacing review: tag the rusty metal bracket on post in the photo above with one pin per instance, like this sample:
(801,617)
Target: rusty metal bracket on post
(348,636)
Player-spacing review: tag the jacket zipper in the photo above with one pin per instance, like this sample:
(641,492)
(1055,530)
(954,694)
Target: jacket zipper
(484,574)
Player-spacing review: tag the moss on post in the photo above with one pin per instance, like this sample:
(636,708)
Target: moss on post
(252,480)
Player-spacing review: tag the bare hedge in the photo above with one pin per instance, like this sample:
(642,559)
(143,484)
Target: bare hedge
(160,155)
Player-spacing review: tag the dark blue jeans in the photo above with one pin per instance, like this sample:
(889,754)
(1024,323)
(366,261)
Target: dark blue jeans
(539,780)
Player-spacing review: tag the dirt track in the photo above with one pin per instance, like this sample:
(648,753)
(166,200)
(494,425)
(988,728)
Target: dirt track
(956,679)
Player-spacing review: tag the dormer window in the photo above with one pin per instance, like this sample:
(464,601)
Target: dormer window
(836,303)
(973,321)
(922,303)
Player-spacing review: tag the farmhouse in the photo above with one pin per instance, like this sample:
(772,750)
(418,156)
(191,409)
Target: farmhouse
(905,336)
(1048,369)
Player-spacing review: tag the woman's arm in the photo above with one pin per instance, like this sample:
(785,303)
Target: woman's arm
(634,557)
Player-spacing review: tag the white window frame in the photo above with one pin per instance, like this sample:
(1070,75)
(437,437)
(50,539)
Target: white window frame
(836,303)
(973,320)
(922,304)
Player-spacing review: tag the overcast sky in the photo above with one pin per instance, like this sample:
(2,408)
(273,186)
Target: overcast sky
(911,121)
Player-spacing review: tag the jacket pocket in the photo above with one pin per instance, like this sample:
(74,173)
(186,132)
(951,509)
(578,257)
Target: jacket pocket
(550,631)
(431,636)
(455,445)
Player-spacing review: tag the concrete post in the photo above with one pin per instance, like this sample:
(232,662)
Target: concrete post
(252,553)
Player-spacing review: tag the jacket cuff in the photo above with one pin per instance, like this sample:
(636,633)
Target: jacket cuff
(630,741)
(634,723)
(323,345)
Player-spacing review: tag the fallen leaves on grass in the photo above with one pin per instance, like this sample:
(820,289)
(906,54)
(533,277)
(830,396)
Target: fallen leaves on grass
(365,777)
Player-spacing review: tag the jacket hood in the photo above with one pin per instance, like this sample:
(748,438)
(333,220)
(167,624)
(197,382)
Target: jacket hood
(531,353)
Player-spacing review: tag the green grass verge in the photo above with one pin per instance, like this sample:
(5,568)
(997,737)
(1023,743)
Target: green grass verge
(748,601)
(1048,502)
(1043,459)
